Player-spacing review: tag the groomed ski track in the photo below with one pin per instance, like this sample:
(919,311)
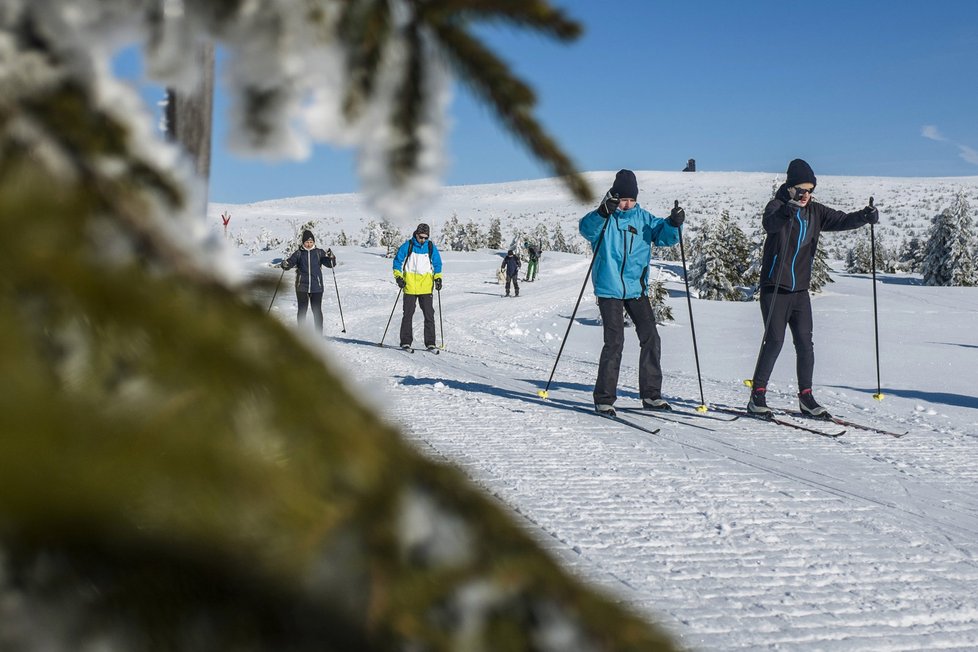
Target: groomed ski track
(753,536)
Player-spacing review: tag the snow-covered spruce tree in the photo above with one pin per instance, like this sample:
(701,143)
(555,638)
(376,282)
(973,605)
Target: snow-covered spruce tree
(713,271)
(949,257)
(657,297)
(177,469)
(911,254)
(453,234)
(474,237)
(820,269)
(559,242)
(859,256)
(372,234)
(495,238)
(390,237)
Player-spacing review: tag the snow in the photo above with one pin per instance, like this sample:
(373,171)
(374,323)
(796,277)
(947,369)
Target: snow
(739,535)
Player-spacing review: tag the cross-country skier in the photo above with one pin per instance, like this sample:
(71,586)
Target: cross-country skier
(531,266)
(308,261)
(511,263)
(626,232)
(417,270)
(793,221)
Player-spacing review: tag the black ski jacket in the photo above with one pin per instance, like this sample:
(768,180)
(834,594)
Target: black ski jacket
(792,239)
(309,268)
(511,264)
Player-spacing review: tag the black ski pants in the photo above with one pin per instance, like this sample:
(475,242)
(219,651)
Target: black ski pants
(515,280)
(794,310)
(407,321)
(650,349)
(315,299)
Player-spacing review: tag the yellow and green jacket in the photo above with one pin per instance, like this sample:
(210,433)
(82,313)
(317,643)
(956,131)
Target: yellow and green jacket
(419,265)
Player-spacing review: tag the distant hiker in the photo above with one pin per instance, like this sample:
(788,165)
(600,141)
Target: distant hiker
(511,263)
(531,266)
(308,261)
(793,221)
(690,165)
(417,271)
(621,234)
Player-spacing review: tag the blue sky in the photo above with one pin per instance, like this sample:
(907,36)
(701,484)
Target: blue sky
(856,88)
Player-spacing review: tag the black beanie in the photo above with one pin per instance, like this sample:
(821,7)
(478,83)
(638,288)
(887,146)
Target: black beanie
(625,184)
(422,228)
(800,172)
(307,235)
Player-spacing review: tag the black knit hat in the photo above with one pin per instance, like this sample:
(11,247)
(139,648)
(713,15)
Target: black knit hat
(625,184)
(307,235)
(800,172)
(422,228)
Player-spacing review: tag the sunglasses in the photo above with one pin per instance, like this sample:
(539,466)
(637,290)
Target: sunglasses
(422,237)
(802,191)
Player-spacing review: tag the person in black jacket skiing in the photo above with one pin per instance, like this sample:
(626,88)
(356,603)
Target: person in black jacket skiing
(308,262)
(793,221)
(511,263)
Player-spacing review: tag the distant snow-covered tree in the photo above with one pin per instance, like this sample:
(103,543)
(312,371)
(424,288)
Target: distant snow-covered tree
(911,254)
(390,237)
(820,270)
(657,297)
(495,238)
(453,234)
(372,234)
(559,242)
(859,257)
(475,238)
(949,257)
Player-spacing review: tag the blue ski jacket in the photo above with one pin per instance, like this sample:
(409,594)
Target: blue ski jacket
(419,264)
(792,239)
(621,264)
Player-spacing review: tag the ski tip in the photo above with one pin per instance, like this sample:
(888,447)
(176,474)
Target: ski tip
(878,397)
(749,382)
(544,394)
(701,409)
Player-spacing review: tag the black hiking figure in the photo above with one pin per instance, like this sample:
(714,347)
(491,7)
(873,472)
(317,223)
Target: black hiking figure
(511,263)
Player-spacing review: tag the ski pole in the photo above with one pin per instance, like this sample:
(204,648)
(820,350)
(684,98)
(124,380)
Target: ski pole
(441,326)
(381,342)
(544,393)
(692,328)
(340,305)
(276,291)
(876,324)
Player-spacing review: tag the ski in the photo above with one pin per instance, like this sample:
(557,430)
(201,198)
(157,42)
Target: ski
(704,415)
(853,424)
(617,419)
(432,350)
(659,414)
(781,422)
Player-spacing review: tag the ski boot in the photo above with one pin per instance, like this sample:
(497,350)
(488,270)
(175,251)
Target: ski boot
(809,406)
(757,405)
(605,410)
(656,404)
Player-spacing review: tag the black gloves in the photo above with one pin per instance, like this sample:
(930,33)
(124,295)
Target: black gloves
(438,284)
(871,214)
(677,215)
(608,205)
(400,281)
(285,265)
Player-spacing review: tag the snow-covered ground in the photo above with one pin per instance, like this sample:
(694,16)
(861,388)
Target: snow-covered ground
(733,535)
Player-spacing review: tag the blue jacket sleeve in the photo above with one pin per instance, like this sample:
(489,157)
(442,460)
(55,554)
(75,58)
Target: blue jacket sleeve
(401,256)
(663,233)
(590,226)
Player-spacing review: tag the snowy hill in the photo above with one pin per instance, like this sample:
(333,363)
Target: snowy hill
(734,535)
(906,204)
